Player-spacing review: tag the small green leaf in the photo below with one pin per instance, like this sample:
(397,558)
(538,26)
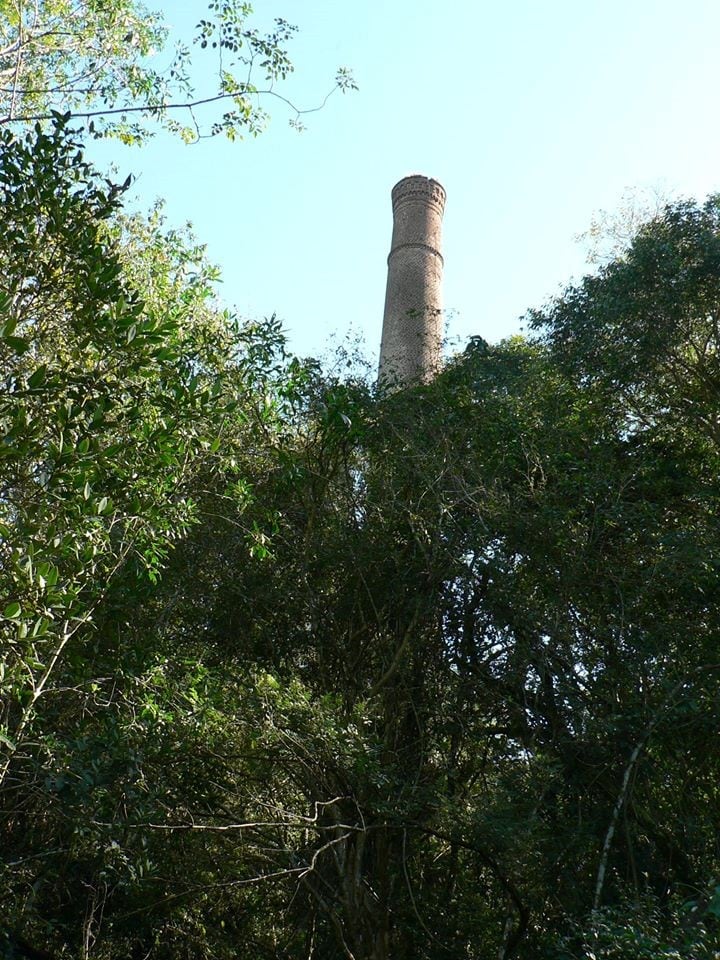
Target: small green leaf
(19,344)
(165,353)
(12,611)
(38,377)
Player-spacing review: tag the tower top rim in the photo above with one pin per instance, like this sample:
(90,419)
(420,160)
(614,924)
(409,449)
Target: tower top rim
(418,187)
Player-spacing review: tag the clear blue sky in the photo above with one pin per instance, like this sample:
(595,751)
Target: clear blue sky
(532,114)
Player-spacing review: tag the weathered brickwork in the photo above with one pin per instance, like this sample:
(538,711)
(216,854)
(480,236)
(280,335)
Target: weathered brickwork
(412,322)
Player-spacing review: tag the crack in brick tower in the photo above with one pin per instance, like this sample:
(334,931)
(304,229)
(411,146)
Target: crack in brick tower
(412,323)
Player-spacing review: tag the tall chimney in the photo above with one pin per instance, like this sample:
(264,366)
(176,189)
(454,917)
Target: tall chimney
(412,322)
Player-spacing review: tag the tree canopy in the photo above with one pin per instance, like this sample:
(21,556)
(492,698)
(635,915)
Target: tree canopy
(295,668)
(108,64)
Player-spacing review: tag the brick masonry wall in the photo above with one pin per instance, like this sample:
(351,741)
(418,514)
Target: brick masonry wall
(412,322)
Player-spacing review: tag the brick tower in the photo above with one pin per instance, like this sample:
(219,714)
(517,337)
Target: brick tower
(412,322)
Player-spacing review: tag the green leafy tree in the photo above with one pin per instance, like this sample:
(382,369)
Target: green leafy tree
(125,389)
(483,620)
(98,60)
(425,674)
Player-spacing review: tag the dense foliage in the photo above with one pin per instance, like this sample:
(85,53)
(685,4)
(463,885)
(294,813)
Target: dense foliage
(293,669)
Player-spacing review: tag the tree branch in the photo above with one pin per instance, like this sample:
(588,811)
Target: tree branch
(164,107)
